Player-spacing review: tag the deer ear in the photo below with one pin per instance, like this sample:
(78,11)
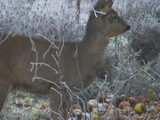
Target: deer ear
(103,5)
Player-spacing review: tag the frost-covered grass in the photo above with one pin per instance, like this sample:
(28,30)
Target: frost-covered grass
(25,106)
(56,20)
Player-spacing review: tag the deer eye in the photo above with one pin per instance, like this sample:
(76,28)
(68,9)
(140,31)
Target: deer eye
(113,18)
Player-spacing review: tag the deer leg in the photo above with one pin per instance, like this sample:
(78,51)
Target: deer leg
(58,104)
(4,89)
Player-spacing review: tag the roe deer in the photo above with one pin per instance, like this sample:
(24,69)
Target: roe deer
(22,63)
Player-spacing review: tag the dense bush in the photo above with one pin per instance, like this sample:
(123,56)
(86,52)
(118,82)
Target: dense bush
(135,60)
(144,19)
(56,20)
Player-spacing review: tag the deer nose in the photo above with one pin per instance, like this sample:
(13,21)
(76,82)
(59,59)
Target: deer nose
(128,27)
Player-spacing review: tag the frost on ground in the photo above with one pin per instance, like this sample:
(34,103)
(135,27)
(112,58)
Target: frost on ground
(25,106)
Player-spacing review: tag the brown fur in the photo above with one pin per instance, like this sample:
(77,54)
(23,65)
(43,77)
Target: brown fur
(16,56)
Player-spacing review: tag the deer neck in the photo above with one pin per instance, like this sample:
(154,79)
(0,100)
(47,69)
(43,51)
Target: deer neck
(93,45)
(94,41)
(91,53)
